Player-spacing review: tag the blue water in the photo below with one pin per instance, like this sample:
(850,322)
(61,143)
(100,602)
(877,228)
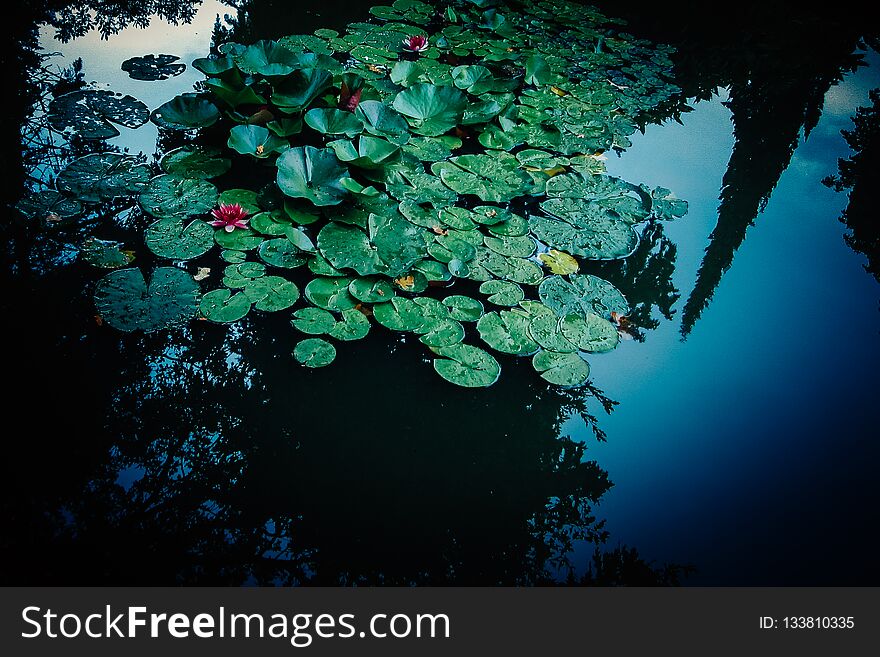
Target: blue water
(749,449)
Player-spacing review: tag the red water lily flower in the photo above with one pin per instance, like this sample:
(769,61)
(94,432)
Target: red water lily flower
(416,43)
(229,217)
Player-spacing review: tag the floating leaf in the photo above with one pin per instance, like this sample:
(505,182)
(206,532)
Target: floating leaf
(256,141)
(314,352)
(170,238)
(441,332)
(281,252)
(330,121)
(507,332)
(589,332)
(545,330)
(582,294)
(463,308)
(88,113)
(431,110)
(354,326)
(124,300)
(466,366)
(399,314)
(271,293)
(314,321)
(537,70)
(559,262)
(492,177)
(186,112)
(103,177)
(49,206)
(195,162)
(313,174)
(170,196)
(297,91)
(503,293)
(238,240)
(153,67)
(562,369)
(223,307)
(330,293)
(246,198)
(105,254)
(371,290)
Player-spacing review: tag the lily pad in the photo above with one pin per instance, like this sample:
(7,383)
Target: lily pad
(559,262)
(281,252)
(545,330)
(297,91)
(492,177)
(380,120)
(430,109)
(186,112)
(463,308)
(330,293)
(589,332)
(105,254)
(399,314)
(466,366)
(202,162)
(223,307)
(170,196)
(271,293)
(153,67)
(371,289)
(246,198)
(441,332)
(331,121)
(562,369)
(125,301)
(354,326)
(507,332)
(314,321)
(103,177)
(256,141)
(170,238)
(48,206)
(582,294)
(88,113)
(503,293)
(238,240)
(314,352)
(312,173)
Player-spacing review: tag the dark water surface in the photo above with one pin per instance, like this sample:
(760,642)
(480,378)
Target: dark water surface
(743,441)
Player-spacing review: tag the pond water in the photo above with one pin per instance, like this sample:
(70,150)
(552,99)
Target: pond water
(741,445)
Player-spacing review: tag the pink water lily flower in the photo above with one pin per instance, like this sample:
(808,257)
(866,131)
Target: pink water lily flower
(416,43)
(229,217)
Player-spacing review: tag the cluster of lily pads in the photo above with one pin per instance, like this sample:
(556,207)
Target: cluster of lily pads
(458,143)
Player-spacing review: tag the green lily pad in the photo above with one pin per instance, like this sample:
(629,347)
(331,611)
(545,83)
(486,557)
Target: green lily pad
(584,229)
(103,177)
(441,332)
(213,66)
(256,141)
(431,110)
(105,254)
(314,352)
(369,153)
(281,252)
(492,177)
(124,300)
(223,307)
(268,58)
(271,293)
(168,196)
(48,206)
(313,174)
(349,247)
(582,294)
(297,91)
(151,68)
(240,275)
(399,314)
(88,113)
(273,223)
(474,79)
(463,308)
(589,332)
(513,247)
(330,293)
(545,330)
(354,326)
(466,366)
(186,112)
(562,369)
(371,289)
(195,162)
(331,121)
(380,120)
(170,238)
(238,239)
(314,321)
(507,332)
(503,293)
(246,198)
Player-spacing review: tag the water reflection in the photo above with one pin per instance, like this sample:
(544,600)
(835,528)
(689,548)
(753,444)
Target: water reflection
(778,63)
